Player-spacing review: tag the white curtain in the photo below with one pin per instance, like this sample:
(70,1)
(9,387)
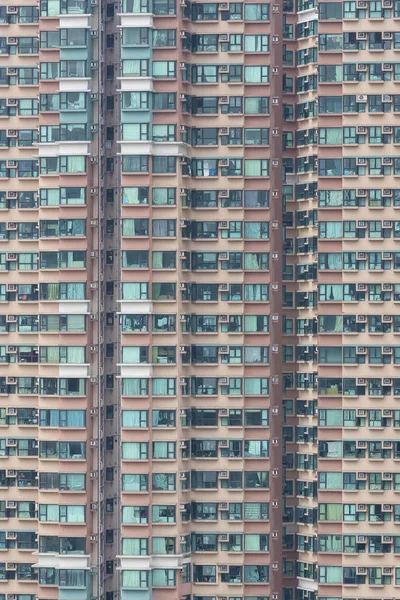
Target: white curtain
(161,577)
(160,450)
(157,258)
(333,229)
(252,261)
(131,546)
(131,483)
(131,450)
(75,514)
(52,512)
(253,355)
(131,418)
(52,197)
(131,68)
(75,418)
(133,6)
(160,196)
(130,195)
(252,292)
(252,74)
(128,227)
(252,230)
(334,136)
(134,579)
(131,354)
(76,323)
(252,167)
(159,545)
(253,43)
(252,543)
(335,261)
(76,164)
(134,387)
(160,228)
(133,514)
(250,323)
(75,355)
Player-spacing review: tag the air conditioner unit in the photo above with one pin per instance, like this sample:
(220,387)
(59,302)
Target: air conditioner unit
(223,68)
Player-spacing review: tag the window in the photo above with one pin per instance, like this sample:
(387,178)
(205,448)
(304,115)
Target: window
(164,101)
(256,12)
(164,69)
(164,450)
(256,105)
(163,514)
(134,483)
(134,450)
(256,43)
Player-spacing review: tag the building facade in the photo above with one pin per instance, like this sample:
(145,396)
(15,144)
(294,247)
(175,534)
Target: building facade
(198,327)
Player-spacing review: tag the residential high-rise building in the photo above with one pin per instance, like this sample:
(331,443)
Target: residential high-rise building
(199,384)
